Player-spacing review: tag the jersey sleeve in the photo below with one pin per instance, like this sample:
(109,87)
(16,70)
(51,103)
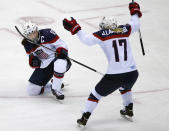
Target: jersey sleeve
(134,23)
(60,44)
(87,38)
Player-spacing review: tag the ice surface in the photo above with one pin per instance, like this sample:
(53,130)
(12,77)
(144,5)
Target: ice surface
(20,112)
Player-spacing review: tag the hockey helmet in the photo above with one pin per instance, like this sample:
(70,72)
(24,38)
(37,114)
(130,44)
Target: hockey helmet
(30,30)
(108,23)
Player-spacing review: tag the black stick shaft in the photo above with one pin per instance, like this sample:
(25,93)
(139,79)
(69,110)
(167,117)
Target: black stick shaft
(141,42)
(85,66)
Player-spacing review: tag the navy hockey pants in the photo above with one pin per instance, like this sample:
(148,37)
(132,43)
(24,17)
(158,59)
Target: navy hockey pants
(42,76)
(111,82)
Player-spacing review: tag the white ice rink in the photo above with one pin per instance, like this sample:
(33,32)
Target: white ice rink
(20,112)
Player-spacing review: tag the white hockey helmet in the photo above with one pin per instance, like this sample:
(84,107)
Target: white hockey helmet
(108,23)
(29,28)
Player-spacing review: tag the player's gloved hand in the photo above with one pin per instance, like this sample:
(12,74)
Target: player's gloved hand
(71,25)
(34,61)
(61,53)
(135,9)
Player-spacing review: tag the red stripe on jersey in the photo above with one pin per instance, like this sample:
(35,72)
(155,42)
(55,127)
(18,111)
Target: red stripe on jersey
(123,92)
(89,99)
(113,36)
(52,41)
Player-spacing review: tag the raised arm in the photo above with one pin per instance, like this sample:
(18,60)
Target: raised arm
(87,38)
(135,15)
(135,23)
(74,28)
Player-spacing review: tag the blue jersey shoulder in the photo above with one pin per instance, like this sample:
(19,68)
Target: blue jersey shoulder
(48,36)
(121,31)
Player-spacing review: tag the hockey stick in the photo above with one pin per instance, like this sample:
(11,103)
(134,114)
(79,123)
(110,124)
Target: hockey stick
(56,52)
(141,41)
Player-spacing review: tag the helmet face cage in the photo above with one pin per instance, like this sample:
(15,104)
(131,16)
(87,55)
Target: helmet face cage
(108,23)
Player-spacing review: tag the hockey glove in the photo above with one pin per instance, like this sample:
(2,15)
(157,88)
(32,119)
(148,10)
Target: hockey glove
(61,53)
(34,61)
(135,9)
(71,25)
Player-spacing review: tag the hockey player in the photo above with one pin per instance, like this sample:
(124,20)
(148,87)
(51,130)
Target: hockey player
(122,72)
(47,64)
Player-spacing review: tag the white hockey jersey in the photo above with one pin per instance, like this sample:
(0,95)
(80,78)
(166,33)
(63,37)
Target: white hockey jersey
(49,39)
(115,45)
